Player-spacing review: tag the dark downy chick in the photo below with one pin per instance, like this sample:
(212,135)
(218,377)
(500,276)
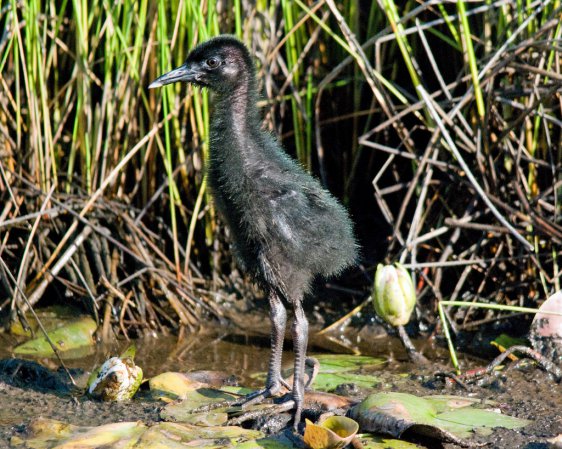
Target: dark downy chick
(286,228)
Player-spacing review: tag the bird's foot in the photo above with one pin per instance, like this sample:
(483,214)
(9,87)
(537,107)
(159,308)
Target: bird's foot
(283,404)
(270,410)
(280,388)
(256,397)
(275,388)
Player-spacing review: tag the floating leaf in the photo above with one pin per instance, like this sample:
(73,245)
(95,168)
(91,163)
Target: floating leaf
(50,429)
(464,422)
(446,418)
(336,363)
(178,411)
(280,442)
(337,369)
(320,400)
(188,433)
(51,317)
(369,441)
(181,412)
(445,402)
(214,379)
(73,336)
(329,381)
(171,386)
(336,432)
(48,433)
(201,419)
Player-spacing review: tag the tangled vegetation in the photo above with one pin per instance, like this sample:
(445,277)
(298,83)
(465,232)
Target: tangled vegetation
(438,124)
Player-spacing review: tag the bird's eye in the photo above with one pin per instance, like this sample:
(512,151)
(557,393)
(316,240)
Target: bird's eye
(213,63)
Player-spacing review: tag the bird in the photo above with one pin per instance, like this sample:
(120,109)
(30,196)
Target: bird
(286,228)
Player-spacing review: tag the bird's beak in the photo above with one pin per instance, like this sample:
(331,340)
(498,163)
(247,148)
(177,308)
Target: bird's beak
(181,73)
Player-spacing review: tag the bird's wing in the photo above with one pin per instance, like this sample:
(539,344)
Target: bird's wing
(291,207)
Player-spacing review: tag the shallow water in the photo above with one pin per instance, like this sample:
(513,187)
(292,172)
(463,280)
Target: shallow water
(241,354)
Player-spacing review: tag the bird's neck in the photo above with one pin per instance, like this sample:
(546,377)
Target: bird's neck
(237,114)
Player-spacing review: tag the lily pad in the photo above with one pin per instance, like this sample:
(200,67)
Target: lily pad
(67,339)
(190,433)
(51,317)
(377,442)
(47,433)
(280,442)
(337,369)
(172,386)
(181,411)
(337,363)
(447,418)
(43,430)
(320,400)
(330,381)
(447,402)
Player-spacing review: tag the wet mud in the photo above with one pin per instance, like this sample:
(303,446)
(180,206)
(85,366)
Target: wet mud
(29,389)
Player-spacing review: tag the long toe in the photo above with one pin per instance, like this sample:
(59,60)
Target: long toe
(256,397)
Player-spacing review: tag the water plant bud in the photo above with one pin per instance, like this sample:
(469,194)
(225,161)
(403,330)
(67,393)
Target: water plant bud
(117,379)
(394,296)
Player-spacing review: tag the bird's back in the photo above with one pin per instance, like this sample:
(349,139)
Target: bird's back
(276,210)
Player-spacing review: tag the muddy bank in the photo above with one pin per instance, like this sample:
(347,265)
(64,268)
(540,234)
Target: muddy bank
(527,393)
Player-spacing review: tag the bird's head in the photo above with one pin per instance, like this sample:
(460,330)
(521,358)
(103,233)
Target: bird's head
(221,64)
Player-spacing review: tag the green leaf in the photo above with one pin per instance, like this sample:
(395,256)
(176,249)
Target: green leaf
(335,363)
(377,442)
(130,352)
(47,433)
(329,382)
(266,443)
(67,339)
(446,402)
(194,399)
(504,341)
(51,317)
(171,385)
(337,369)
(447,418)
(463,422)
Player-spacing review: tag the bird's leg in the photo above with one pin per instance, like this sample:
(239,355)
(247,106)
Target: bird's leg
(278,316)
(300,340)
